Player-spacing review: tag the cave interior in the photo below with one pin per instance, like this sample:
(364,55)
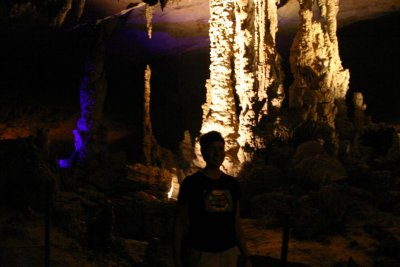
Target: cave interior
(98,125)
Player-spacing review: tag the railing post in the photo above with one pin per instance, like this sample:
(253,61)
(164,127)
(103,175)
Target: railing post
(47,226)
(285,241)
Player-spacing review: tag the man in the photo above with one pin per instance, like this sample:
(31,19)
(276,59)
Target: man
(208,213)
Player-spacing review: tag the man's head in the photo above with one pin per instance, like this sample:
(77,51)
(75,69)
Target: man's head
(213,148)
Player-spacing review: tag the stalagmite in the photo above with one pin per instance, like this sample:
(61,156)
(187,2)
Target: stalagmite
(186,153)
(147,129)
(151,149)
(257,71)
(359,110)
(320,82)
(219,111)
(90,134)
(243,32)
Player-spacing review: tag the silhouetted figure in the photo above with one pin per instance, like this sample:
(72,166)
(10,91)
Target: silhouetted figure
(208,215)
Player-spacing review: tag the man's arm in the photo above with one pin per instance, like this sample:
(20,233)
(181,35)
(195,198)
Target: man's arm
(241,241)
(180,224)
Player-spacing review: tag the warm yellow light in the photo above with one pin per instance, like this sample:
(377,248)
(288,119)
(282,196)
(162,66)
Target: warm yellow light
(174,190)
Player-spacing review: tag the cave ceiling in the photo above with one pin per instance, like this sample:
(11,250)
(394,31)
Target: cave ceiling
(183,24)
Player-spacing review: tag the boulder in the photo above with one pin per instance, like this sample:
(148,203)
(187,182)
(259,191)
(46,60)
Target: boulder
(313,167)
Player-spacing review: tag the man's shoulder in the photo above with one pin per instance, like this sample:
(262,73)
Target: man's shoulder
(192,178)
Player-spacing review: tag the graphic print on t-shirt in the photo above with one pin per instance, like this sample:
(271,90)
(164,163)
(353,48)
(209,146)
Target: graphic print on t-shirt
(218,201)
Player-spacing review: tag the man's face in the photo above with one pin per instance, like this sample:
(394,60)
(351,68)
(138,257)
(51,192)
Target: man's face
(214,154)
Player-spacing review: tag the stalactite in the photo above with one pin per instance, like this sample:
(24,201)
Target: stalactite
(320,82)
(78,8)
(149,10)
(219,111)
(62,13)
(258,72)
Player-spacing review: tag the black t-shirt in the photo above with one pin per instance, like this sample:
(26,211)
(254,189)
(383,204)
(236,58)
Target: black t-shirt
(212,206)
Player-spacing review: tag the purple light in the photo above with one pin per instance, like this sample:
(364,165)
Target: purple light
(64,163)
(161,42)
(79,145)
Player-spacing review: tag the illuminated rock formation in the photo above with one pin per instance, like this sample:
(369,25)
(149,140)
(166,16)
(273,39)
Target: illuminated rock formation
(257,71)
(219,111)
(359,110)
(243,33)
(90,134)
(186,153)
(151,150)
(320,82)
(149,17)
(147,129)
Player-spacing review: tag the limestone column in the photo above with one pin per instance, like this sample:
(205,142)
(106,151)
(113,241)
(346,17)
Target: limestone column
(147,128)
(90,134)
(219,111)
(258,72)
(320,82)
(151,149)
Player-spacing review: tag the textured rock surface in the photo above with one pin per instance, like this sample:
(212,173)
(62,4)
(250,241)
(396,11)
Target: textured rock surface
(90,133)
(219,110)
(151,149)
(242,37)
(258,72)
(320,82)
(313,167)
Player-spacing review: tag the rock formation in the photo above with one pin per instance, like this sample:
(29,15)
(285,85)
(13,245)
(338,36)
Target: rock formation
(320,82)
(149,17)
(186,153)
(66,6)
(147,129)
(151,150)
(242,37)
(90,134)
(359,110)
(257,71)
(219,111)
